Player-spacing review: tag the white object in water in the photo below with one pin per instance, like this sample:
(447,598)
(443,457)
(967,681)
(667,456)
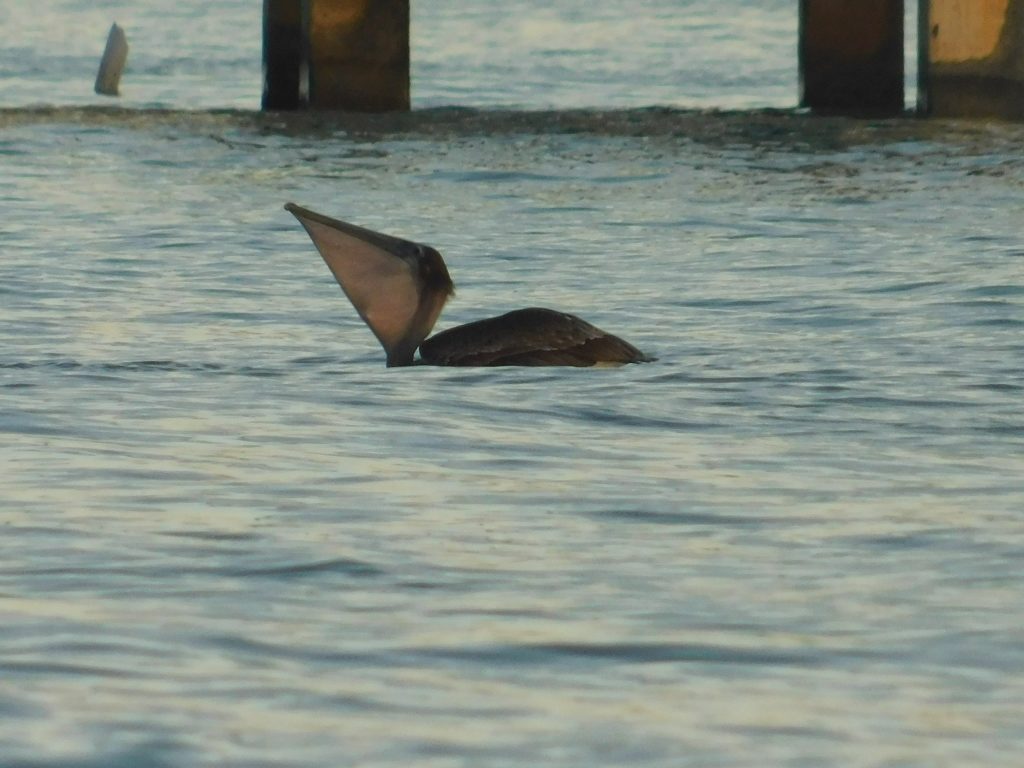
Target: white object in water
(112,63)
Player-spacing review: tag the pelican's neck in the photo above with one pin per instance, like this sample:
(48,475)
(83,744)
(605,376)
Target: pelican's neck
(420,326)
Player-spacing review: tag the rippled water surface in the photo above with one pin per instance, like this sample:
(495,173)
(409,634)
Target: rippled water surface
(229,536)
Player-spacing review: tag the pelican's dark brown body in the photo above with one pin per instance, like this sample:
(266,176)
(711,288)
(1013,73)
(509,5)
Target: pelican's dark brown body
(531,336)
(399,288)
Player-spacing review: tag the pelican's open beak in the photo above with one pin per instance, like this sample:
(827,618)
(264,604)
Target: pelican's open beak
(381,275)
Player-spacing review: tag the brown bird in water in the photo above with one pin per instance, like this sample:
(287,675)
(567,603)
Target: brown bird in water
(399,288)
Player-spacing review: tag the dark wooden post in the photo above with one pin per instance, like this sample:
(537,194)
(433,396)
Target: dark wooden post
(851,56)
(971,58)
(283,54)
(359,54)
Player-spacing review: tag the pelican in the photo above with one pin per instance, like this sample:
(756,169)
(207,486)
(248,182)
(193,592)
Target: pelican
(399,288)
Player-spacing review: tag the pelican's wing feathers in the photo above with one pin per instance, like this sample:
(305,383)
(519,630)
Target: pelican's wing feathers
(532,336)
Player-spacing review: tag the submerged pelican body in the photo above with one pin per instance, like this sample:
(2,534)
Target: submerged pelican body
(399,288)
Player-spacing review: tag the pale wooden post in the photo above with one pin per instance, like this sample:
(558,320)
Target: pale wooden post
(971,58)
(115,55)
(851,56)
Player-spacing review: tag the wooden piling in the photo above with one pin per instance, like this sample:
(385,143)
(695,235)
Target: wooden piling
(336,54)
(971,58)
(283,54)
(359,54)
(851,56)
(115,55)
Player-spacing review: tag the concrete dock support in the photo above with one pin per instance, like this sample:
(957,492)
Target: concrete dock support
(971,58)
(336,54)
(359,54)
(851,56)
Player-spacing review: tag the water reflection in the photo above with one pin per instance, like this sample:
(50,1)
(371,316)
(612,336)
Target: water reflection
(223,515)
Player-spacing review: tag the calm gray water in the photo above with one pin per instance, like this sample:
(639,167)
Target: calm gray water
(230,537)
